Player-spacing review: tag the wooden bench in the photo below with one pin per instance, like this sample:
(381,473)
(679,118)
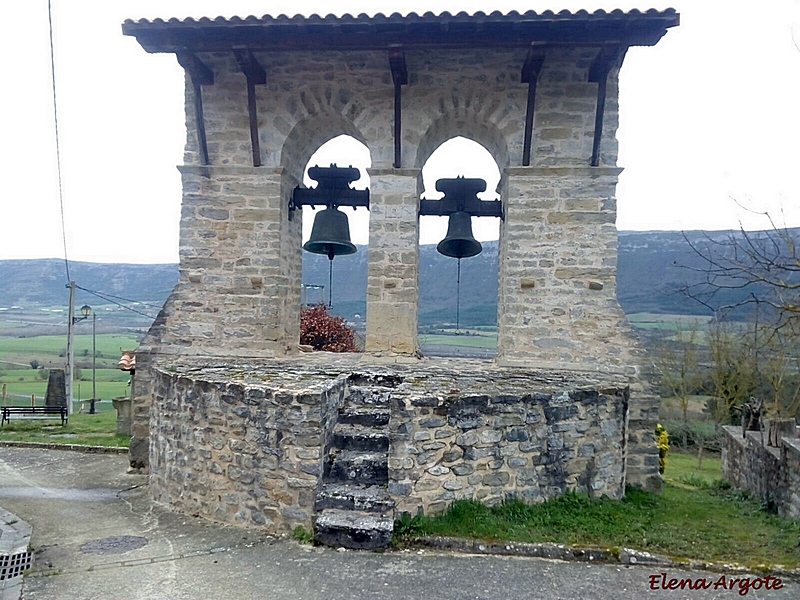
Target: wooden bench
(34,412)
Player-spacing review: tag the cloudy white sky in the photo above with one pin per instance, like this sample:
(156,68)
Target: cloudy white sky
(709,114)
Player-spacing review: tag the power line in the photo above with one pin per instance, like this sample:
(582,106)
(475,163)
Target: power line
(121,298)
(106,298)
(58,148)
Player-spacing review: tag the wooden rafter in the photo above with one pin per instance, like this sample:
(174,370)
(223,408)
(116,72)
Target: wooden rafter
(397,62)
(200,75)
(530,75)
(255,75)
(609,56)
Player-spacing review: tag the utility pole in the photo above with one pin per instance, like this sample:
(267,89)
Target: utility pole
(94,361)
(70,345)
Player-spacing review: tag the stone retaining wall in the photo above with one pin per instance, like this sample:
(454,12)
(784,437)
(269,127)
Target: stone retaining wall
(248,446)
(240,454)
(534,446)
(768,473)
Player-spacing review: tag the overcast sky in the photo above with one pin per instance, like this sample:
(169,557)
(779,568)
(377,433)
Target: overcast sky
(709,114)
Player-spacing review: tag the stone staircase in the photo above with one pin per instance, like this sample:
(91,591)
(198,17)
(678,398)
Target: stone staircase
(353,508)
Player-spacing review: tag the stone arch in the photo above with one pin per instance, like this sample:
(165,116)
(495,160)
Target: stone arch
(311,132)
(477,307)
(470,123)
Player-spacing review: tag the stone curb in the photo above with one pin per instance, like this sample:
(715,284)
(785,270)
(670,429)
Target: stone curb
(625,556)
(15,538)
(69,447)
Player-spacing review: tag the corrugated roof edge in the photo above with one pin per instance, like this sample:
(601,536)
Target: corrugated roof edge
(412,16)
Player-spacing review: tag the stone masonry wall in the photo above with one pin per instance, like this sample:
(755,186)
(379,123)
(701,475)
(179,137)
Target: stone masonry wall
(247,445)
(487,448)
(393,262)
(240,454)
(770,474)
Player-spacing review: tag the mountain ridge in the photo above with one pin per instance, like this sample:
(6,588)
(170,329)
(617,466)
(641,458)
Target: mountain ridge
(652,267)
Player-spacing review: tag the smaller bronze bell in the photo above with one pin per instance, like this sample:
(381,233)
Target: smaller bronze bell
(330,234)
(459,241)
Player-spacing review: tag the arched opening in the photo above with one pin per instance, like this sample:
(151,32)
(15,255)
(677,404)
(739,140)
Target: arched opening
(344,285)
(458,310)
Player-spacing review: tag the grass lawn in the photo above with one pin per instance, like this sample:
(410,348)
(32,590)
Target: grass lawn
(695,517)
(84,429)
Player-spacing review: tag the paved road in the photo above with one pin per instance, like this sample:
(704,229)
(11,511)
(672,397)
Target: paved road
(74,499)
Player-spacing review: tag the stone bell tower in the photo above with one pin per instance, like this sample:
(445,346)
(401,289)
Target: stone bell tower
(539,92)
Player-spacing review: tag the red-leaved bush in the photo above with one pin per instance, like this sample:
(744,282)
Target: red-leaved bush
(322,331)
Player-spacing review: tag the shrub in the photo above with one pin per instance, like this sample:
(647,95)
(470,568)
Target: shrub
(34,364)
(43,373)
(662,439)
(322,331)
(302,535)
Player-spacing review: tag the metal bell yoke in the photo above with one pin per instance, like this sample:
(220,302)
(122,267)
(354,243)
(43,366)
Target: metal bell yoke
(460,203)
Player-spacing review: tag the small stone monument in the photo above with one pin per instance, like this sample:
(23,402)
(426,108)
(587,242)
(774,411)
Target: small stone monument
(56,394)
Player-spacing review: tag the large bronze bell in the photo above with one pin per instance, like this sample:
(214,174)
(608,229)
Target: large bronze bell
(459,242)
(330,234)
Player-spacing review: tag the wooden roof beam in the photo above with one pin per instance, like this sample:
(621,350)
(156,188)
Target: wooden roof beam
(200,75)
(530,75)
(255,75)
(610,55)
(397,63)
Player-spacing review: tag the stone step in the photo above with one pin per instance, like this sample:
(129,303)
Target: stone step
(356,466)
(370,417)
(353,529)
(354,437)
(368,396)
(365,498)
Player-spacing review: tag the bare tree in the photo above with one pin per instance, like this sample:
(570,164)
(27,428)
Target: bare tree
(762,266)
(677,357)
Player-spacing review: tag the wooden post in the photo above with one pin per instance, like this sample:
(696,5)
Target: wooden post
(4,394)
(33,399)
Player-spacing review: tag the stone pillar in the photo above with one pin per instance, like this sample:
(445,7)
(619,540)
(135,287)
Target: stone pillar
(238,293)
(393,261)
(557,299)
(124,415)
(557,305)
(56,394)
(239,285)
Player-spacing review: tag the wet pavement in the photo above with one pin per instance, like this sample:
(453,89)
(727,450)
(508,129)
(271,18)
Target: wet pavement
(97,535)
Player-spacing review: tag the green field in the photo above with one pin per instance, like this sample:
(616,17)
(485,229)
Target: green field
(482,340)
(52,348)
(668,322)
(47,351)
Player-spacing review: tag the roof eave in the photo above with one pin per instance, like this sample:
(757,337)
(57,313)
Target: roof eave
(361,33)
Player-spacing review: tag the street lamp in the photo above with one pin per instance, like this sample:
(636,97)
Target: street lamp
(86,310)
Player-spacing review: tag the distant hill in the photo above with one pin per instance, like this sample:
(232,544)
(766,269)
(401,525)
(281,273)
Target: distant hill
(42,282)
(652,267)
